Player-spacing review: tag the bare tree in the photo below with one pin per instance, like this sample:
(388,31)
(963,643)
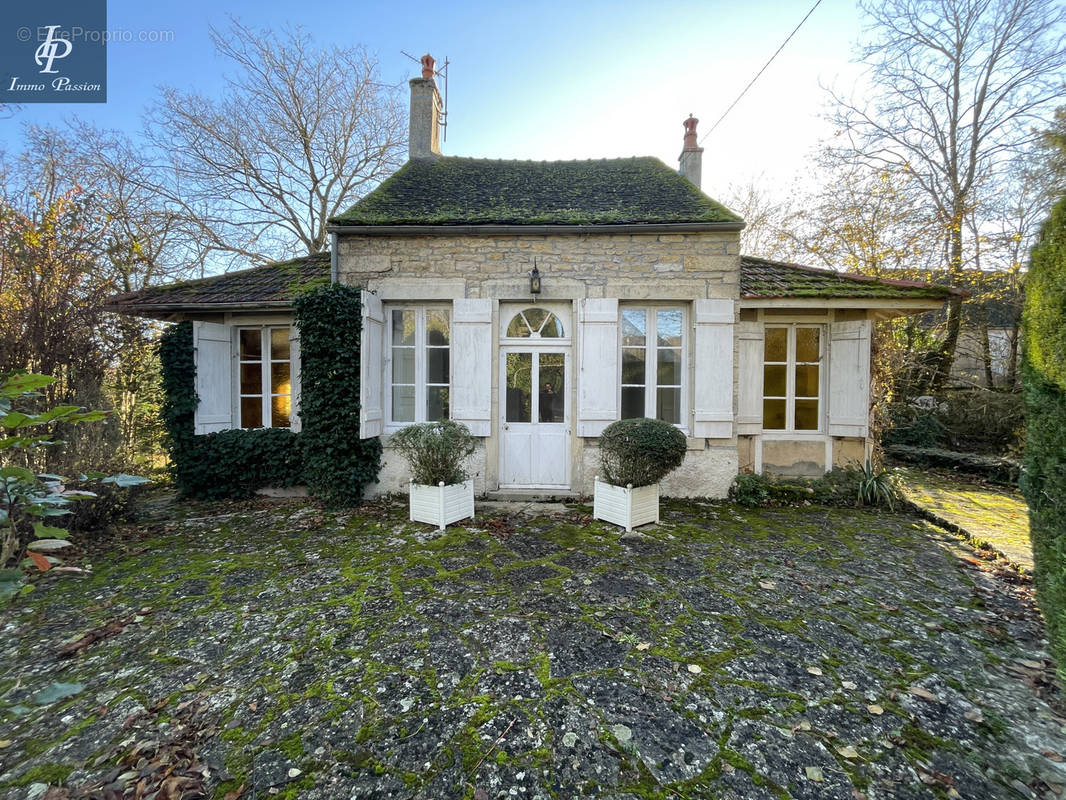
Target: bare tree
(766,219)
(956,88)
(299,134)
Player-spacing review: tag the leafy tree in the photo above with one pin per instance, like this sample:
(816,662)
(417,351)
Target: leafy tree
(300,133)
(956,87)
(79,224)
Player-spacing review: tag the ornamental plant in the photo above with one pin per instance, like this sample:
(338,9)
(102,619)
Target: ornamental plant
(436,451)
(30,503)
(640,452)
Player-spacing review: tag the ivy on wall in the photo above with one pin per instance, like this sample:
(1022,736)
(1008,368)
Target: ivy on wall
(327,455)
(338,465)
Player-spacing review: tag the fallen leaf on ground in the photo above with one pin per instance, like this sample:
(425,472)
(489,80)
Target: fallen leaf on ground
(814,670)
(918,691)
(1051,755)
(695,669)
(876,710)
(643,646)
(814,773)
(848,751)
(767,584)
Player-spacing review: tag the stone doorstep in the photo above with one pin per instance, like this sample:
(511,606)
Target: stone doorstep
(556,496)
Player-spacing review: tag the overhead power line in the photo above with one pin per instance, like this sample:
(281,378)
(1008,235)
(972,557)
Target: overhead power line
(761,71)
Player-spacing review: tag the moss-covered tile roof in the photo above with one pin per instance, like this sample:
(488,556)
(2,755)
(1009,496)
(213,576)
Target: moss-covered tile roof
(763,279)
(276,284)
(475,191)
(271,284)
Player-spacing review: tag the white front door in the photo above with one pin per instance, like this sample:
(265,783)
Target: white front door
(534,417)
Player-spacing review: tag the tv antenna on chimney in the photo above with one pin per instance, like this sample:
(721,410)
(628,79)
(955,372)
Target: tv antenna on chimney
(441,73)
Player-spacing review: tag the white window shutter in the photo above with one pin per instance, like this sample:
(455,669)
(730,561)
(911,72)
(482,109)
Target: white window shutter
(371,367)
(849,378)
(712,412)
(471,364)
(213,352)
(598,371)
(750,336)
(294,379)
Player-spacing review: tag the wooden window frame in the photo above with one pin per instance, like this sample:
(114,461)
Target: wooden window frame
(266,362)
(421,384)
(651,360)
(790,365)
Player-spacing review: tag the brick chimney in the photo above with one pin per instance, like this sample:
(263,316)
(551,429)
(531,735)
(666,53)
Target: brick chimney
(424,132)
(691,158)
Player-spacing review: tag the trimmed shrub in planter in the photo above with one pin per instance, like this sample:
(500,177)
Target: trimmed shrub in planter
(441,491)
(635,454)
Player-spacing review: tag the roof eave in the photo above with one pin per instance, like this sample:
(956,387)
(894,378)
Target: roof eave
(156,309)
(900,305)
(491,230)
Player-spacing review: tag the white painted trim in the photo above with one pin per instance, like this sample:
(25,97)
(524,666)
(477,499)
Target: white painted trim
(420,384)
(651,361)
(534,346)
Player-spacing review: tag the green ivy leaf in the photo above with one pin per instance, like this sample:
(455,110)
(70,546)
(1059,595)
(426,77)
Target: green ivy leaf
(42,531)
(18,473)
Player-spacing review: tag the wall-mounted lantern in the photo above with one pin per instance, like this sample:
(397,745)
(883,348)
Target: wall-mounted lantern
(534,281)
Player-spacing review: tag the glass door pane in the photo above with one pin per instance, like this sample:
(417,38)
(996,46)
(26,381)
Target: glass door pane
(552,389)
(519,387)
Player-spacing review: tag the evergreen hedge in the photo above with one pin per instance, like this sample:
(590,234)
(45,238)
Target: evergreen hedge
(1044,382)
(327,455)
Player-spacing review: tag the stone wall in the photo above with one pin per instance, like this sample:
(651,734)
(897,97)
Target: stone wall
(626,266)
(657,267)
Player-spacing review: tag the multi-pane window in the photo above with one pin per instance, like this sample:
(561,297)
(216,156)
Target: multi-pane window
(265,377)
(419,342)
(652,363)
(792,378)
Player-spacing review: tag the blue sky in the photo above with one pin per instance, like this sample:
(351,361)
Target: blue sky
(541,80)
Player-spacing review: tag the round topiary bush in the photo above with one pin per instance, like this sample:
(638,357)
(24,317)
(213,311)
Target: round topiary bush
(435,450)
(640,452)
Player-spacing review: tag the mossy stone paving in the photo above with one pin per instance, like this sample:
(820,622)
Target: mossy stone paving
(988,514)
(805,653)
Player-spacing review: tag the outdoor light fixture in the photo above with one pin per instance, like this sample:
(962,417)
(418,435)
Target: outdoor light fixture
(534,281)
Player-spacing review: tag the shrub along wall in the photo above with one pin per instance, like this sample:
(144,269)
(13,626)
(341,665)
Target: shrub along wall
(1044,381)
(337,463)
(327,455)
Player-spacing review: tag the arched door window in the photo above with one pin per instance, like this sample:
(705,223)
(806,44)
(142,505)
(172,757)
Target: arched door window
(535,323)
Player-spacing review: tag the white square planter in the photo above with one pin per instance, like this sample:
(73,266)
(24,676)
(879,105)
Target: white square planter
(627,506)
(443,504)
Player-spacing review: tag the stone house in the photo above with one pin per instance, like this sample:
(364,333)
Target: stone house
(537,302)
